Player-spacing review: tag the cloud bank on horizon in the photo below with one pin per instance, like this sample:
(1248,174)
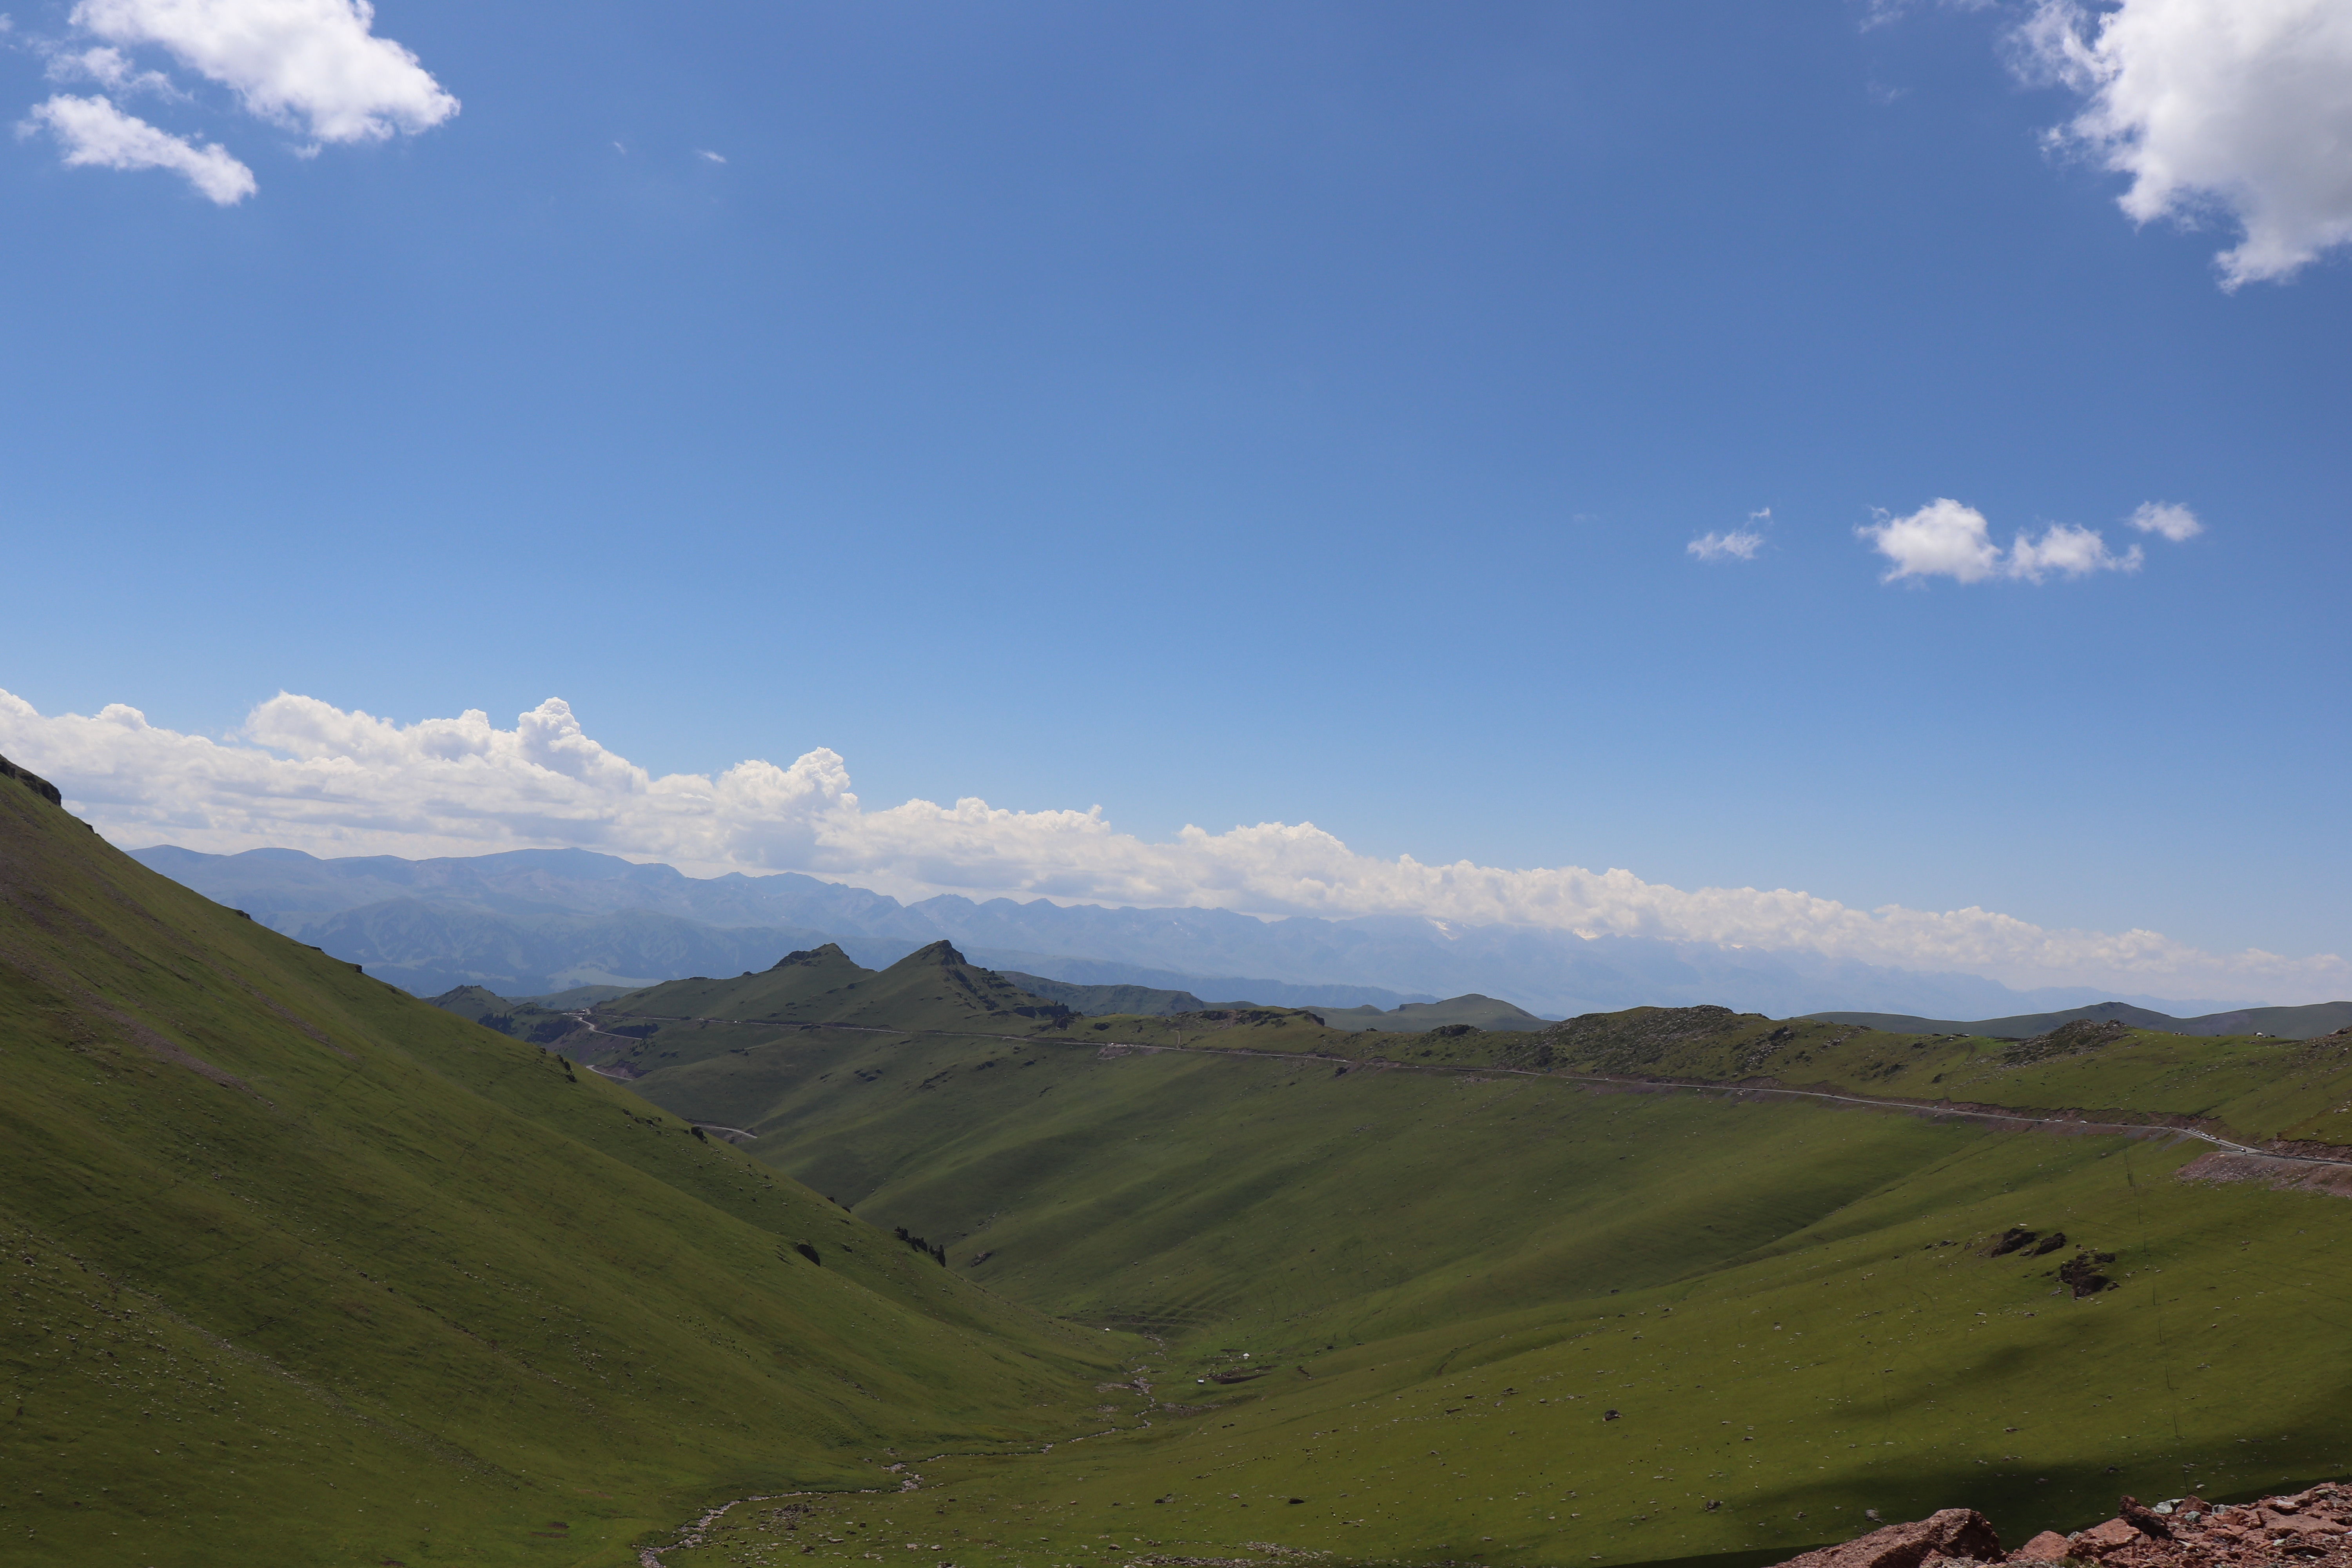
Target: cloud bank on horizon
(304,775)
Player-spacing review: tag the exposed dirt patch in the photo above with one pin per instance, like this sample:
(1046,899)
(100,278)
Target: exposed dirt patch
(2286,1175)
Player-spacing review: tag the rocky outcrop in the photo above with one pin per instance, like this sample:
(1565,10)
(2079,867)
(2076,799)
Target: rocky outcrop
(2310,1529)
(1955,1535)
(31,781)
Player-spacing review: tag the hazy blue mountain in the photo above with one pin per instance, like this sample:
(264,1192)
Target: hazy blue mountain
(430,947)
(511,901)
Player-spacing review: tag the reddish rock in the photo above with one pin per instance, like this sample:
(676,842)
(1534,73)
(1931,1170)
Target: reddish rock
(2101,1540)
(1960,1532)
(2308,1529)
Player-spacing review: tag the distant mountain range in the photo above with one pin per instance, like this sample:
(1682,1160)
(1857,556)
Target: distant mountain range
(531,922)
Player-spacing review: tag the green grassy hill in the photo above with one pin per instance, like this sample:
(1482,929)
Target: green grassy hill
(1419,1017)
(300,1270)
(931,988)
(2286,1023)
(303,1271)
(1407,1280)
(1105,1001)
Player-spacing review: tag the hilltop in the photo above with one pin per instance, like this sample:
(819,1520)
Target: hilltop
(932,988)
(303,1270)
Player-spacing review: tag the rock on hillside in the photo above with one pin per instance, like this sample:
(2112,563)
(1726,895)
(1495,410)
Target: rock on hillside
(2310,1528)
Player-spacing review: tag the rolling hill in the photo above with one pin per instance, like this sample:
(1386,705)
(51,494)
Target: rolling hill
(303,1271)
(1593,1292)
(1419,1017)
(2283,1022)
(1106,1001)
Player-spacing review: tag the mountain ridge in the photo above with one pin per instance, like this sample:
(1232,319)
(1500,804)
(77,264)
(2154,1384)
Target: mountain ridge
(1388,960)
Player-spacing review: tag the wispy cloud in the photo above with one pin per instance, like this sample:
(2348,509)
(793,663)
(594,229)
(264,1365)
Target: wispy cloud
(1733,544)
(93,134)
(1946,539)
(704,153)
(306,774)
(110,68)
(2238,107)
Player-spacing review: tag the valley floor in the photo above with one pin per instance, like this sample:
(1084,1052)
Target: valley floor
(1492,1318)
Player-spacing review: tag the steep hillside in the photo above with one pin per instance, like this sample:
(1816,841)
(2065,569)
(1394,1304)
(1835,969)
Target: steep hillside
(303,1271)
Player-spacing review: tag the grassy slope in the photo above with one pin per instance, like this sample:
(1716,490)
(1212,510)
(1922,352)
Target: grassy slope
(1417,1017)
(1414,1239)
(301,1269)
(2301,1023)
(1105,1001)
(2248,1087)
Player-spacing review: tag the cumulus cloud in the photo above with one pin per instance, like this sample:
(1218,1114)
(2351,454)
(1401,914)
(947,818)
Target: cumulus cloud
(1946,539)
(1942,539)
(1732,544)
(2069,550)
(93,134)
(308,776)
(312,64)
(2235,107)
(2165,521)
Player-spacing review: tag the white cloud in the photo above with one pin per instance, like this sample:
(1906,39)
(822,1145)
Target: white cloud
(308,776)
(1732,544)
(109,68)
(2070,550)
(706,154)
(1942,539)
(1739,544)
(94,133)
(2162,518)
(314,64)
(2242,107)
(1946,539)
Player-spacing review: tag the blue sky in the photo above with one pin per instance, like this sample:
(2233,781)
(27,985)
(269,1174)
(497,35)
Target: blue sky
(1225,414)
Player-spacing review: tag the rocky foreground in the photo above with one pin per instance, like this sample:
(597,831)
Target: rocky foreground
(2309,1528)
